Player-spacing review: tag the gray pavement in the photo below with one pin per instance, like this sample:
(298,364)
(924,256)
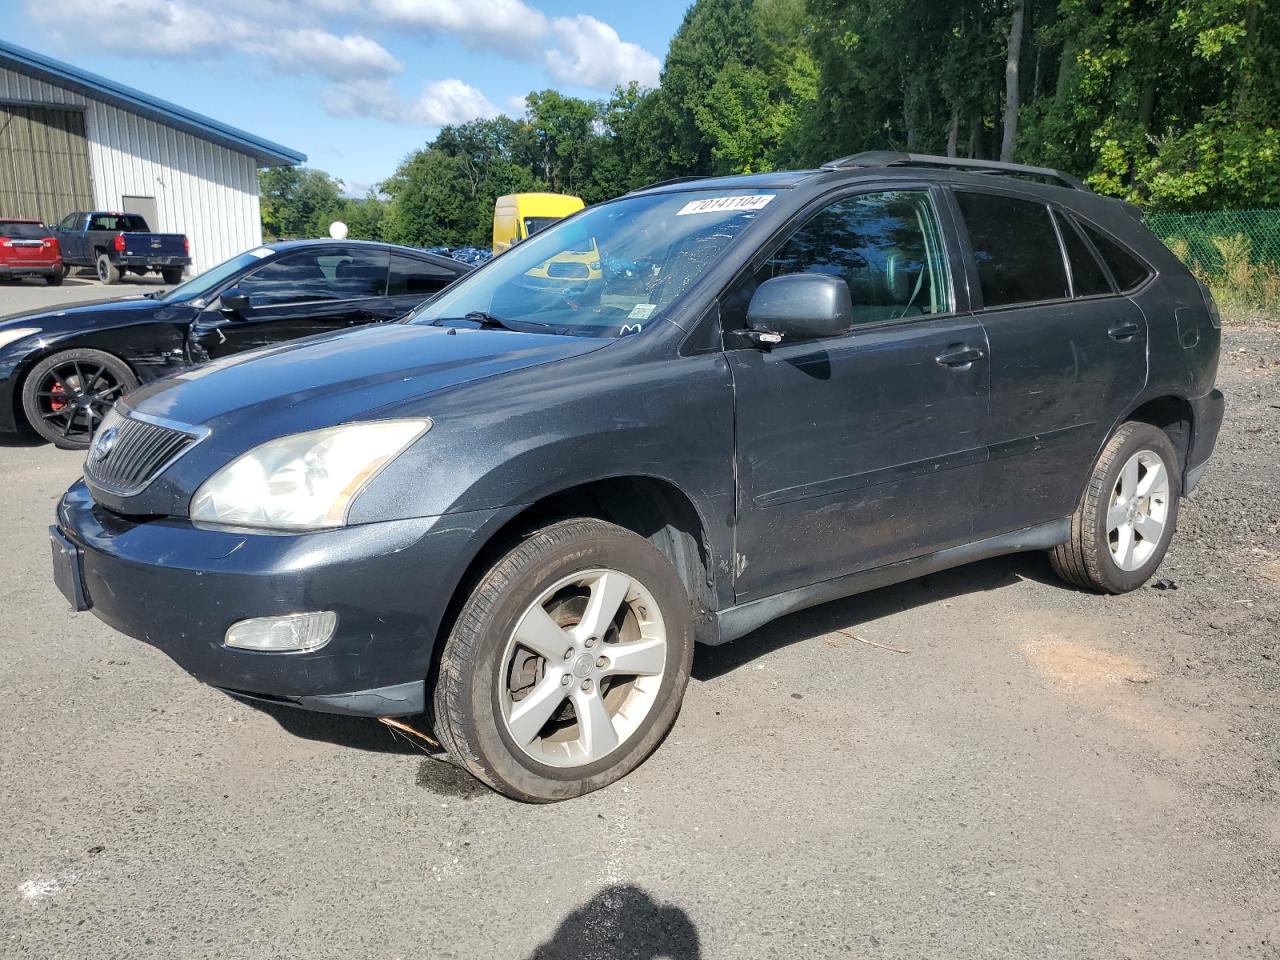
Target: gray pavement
(1029,772)
(34,294)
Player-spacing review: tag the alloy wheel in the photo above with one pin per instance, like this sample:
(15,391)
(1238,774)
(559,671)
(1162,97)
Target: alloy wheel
(74,397)
(1139,510)
(583,668)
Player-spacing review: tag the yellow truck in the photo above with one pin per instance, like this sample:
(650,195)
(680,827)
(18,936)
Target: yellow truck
(518,216)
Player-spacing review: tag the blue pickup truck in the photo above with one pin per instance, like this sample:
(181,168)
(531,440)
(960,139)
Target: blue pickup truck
(114,243)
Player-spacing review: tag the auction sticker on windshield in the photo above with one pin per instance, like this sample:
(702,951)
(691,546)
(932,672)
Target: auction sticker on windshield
(721,204)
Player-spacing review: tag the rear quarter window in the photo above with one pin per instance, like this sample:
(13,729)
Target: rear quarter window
(1129,271)
(1015,249)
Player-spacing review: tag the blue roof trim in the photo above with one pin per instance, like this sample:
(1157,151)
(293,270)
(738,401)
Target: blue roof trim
(100,88)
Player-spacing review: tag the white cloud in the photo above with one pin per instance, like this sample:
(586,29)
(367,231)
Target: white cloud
(591,53)
(339,58)
(512,26)
(440,102)
(182,30)
(516,105)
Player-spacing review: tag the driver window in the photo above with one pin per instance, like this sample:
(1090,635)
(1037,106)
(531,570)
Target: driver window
(886,246)
(319,274)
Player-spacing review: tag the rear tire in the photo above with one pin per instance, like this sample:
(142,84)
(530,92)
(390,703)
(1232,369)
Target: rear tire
(1126,518)
(54,279)
(582,618)
(172,275)
(108,272)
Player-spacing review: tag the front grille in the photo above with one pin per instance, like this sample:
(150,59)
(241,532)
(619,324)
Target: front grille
(124,463)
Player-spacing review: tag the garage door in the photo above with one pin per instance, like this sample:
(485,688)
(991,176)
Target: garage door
(44,163)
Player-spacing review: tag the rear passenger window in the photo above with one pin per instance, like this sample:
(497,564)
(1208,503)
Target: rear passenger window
(1128,270)
(1015,248)
(1087,274)
(885,246)
(410,276)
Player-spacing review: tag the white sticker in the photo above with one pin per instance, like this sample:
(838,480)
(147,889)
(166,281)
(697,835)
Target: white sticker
(261,252)
(642,311)
(722,204)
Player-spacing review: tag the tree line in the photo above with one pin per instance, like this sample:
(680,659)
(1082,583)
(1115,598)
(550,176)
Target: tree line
(1168,103)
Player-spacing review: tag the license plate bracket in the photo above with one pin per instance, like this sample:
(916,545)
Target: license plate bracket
(68,570)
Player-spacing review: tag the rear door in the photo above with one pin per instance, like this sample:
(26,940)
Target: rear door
(304,292)
(859,450)
(1068,355)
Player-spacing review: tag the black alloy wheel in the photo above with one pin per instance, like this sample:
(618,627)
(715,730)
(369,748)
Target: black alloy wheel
(66,395)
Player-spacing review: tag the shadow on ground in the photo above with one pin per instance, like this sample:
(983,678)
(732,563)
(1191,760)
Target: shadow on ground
(623,923)
(847,614)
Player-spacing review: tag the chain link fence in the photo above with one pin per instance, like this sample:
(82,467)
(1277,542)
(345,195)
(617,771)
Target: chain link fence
(1236,252)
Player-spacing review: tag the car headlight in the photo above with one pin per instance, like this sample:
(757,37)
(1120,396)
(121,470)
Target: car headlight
(306,481)
(9,336)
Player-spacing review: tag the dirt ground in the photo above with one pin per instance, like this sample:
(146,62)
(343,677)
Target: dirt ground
(1039,773)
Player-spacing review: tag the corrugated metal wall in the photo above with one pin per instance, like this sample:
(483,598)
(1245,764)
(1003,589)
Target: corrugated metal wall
(44,162)
(201,189)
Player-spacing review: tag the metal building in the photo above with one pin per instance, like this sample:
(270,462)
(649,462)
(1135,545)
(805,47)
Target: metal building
(71,140)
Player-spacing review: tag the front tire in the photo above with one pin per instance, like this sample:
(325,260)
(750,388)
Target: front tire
(567,664)
(66,395)
(1122,527)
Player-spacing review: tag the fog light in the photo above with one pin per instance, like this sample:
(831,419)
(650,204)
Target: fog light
(295,633)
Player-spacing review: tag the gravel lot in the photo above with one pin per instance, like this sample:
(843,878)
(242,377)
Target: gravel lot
(1038,773)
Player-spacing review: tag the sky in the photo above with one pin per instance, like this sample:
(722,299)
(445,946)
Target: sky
(354,84)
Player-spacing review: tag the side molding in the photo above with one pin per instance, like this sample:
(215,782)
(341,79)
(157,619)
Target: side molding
(739,620)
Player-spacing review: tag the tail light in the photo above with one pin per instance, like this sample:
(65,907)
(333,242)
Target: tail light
(5,242)
(186,245)
(1215,316)
(49,241)
(119,243)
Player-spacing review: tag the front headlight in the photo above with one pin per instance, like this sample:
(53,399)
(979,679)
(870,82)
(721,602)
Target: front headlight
(306,481)
(9,336)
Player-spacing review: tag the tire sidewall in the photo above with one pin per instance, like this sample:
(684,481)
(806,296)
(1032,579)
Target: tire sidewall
(515,770)
(1139,436)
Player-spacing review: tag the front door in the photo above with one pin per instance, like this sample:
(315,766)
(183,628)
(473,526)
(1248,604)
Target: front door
(313,290)
(1068,356)
(864,449)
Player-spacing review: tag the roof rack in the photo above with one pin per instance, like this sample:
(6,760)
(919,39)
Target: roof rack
(892,158)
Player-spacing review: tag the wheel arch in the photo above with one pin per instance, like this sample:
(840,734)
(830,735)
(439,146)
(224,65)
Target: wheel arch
(1171,413)
(652,507)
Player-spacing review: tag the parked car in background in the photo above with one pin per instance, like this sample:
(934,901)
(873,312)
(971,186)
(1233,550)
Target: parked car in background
(520,507)
(28,249)
(518,216)
(61,369)
(118,243)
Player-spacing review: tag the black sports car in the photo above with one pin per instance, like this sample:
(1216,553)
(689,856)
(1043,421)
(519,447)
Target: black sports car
(61,369)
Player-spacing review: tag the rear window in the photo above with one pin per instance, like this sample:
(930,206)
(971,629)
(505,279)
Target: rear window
(23,231)
(1015,248)
(1128,270)
(411,276)
(126,222)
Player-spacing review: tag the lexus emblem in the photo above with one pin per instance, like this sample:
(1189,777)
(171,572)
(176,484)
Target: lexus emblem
(102,444)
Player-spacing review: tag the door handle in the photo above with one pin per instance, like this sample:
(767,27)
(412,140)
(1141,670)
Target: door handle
(959,356)
(1125,331)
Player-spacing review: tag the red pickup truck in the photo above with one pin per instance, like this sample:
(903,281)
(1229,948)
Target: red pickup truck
(28,249)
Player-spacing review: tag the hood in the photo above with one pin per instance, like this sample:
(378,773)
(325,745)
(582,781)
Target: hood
(345,376)
(73,317)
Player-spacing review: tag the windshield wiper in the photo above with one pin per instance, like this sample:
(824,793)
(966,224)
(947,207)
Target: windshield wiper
(486,319)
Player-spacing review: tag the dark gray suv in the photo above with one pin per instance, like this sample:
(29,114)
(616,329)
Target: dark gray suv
(518,509)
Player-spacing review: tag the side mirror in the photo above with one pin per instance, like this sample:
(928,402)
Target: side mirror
(235,302)
(800,306)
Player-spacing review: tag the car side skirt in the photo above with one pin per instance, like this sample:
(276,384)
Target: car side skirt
(741,619)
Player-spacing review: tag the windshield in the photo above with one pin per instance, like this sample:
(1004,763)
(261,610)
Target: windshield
(206,283)
(23,231)
(644,252)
